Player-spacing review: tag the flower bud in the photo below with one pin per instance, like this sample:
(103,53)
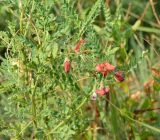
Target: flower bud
(119,76)
(94,96)
(67,65)
(78,45)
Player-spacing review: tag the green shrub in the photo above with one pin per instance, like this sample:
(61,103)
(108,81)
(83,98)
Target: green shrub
(39,100)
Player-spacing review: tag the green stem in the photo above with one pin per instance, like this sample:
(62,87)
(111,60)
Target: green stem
(21,15)
(34,114)
(69,116)
(34,109)
(133,120)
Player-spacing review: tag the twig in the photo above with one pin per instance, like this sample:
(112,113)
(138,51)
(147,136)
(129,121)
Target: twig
(145,11)
(107,3)
(154,11)
(128,11)
(144,20)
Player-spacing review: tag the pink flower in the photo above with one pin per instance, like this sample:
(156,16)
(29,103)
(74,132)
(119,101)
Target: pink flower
(102,91)
(99,67)
(105,68)
(67,65)
(109,67)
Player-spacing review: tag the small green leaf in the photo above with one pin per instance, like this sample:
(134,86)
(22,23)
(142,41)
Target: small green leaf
(112,51)
(55,50)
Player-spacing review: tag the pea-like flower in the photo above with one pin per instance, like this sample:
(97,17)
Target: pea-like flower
(102,91)
(105,68)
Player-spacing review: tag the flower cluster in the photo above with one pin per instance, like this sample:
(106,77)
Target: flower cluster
(104,68)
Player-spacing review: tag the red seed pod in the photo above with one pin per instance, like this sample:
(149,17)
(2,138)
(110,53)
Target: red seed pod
(119,76)
(102,91)
(67,65)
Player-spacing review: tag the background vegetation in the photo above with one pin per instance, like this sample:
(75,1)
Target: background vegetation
(38,100)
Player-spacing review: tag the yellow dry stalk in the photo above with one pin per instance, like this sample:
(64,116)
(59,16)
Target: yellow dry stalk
(22,71)
(20,66)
